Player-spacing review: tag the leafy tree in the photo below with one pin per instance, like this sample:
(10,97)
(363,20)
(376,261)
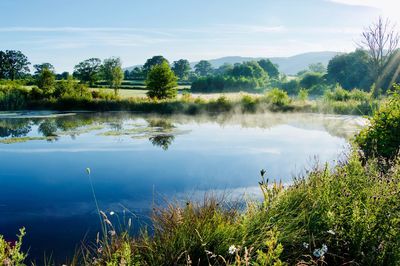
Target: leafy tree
(249,69)
(181,69)
(269,67)
(137,73)
(64,75)
(161,82)
(46,81)
(113,73)
(13,64)
(127,74)
(88,70)
(39,68)
(203,68)
(3,65)
(317,68)
(311,79)
(225,69)
(154,61)
(351,70)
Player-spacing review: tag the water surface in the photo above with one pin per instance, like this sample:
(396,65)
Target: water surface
(137,160)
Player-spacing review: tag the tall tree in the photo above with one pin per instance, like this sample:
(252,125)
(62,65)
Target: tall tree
(112,72)
(181,69)
(161,82)
(317,68)
(381,40)
(13,64)
(3,65)
(203,68)
(46,81)
(351,70)
(137,73)
(269,67)
(151,62)
(249,69)
(39,68)
(88,71)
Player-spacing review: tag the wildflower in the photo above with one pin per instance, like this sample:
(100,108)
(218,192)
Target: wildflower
(320,252)
(232,249)
(305,245)
(331,232)
(88,171)
(112,213)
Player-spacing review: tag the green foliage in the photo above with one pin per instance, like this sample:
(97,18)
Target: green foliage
(351,70)
(13,64)
(292,87)
(311,79)
(181,69)
(46,82)
(302,95)
(317,68)
(11,254)
(277,97)
(152,62)
(381,138)
(161,82)
(203,68)
(269,68)
(13,98)
(40,67)
(112,72)
(88,70)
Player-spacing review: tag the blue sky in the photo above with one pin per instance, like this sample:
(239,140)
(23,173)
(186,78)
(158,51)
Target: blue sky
(64,32)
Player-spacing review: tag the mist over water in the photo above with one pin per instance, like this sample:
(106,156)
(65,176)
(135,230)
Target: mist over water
(137,160)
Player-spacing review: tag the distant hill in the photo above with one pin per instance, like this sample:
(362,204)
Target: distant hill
(288,65)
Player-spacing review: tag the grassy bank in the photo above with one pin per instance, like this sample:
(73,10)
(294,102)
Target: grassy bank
(274,100)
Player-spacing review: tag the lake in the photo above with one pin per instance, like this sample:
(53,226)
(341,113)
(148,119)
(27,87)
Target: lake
(139,160)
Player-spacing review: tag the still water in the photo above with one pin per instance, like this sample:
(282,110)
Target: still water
(139,160)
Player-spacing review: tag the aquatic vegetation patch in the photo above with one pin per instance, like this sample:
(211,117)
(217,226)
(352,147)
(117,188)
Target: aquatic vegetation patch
(25,139)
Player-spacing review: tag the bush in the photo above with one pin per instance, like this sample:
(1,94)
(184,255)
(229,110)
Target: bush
(10,253)
(13,98)
(278,97)
(382,137)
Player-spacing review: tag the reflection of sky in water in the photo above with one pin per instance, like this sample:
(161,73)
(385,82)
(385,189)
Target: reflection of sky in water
(45,188)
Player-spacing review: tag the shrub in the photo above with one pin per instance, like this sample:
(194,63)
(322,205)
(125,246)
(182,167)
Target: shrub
(278,97)
(382,137)
(10,253)
(303,95)
(13,98)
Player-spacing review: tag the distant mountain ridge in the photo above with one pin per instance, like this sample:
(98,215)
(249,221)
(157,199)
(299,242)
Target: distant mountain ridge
(289,65)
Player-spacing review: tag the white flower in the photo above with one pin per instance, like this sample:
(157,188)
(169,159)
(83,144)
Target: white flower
(319,252)
(305,245)
(232,249)
(331,232)
(112,213)
(324,248)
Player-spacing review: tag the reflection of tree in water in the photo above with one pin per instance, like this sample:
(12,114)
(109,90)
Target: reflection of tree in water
(163,140)
(14,128)
(48,128)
